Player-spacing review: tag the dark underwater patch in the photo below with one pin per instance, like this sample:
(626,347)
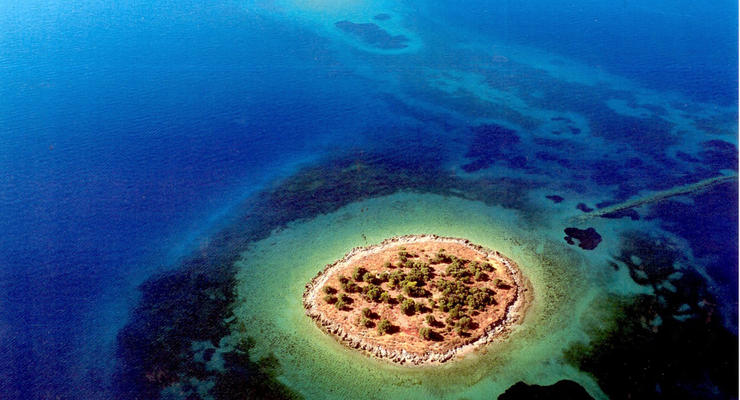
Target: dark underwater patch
(718,154)
(555,198)
(583,207)
(373,35)
(182,306)
(686,157)
(490,143)
(709,225)
(667,346)
(564,389)
(382,17)
(626,213)
(588,239)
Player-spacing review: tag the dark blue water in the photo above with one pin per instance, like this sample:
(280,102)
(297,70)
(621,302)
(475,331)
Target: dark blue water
(129,129)
(668,45)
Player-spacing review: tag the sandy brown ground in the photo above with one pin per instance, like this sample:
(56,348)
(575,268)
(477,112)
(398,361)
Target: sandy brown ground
(407,335)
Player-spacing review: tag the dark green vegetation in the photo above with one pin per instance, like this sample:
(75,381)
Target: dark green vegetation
(663,348)
(154,349)
(385,326)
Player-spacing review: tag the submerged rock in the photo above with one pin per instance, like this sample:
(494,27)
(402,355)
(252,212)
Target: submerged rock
(373,35)
(588,239)
(564,389)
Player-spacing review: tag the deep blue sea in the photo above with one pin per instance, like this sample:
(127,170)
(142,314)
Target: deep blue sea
(132,130)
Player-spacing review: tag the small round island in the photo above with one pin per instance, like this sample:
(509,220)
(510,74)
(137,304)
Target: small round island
(418,299)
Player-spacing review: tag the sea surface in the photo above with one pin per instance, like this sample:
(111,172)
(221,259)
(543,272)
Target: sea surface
(136,137)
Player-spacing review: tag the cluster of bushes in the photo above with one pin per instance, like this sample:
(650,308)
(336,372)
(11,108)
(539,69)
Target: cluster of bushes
(358,273)
(458,270)
(463,270)
(342,301)
(367,317)
(403,255)
(373,292)
(456,293)
(426,333)
(463,324)
(456,296)
(412,283)
(347,285)
(479,270)
(441,257)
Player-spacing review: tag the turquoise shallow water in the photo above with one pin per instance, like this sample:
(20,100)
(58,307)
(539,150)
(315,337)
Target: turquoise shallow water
(274,271)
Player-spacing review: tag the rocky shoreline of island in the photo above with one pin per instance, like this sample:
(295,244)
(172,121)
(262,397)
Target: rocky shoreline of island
(495,331)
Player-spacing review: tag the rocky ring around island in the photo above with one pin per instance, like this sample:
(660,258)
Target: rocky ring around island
(418,299)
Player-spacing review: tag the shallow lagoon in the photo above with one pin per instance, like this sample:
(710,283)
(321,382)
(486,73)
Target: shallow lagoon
(273,272)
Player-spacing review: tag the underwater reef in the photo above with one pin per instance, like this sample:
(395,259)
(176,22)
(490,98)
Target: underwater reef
(373,35)
(177,339)
(564,389)
(671,345)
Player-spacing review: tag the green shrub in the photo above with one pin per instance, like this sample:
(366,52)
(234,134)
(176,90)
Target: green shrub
(384,326)
(366,312)
(420,272)
(369,277)
(366,322)
(329,290)
(408,307)
(340,304)
(395,278)
(425,333)
(465,323)
(373,292)
(385,297)
(351,287)
(358,273)
(412,289)
(330,299)
(343,279)
(387,265)
(455,312)
(430,320)
(457,270)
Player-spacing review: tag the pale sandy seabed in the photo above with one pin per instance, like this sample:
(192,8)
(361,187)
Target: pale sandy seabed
(566,281)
